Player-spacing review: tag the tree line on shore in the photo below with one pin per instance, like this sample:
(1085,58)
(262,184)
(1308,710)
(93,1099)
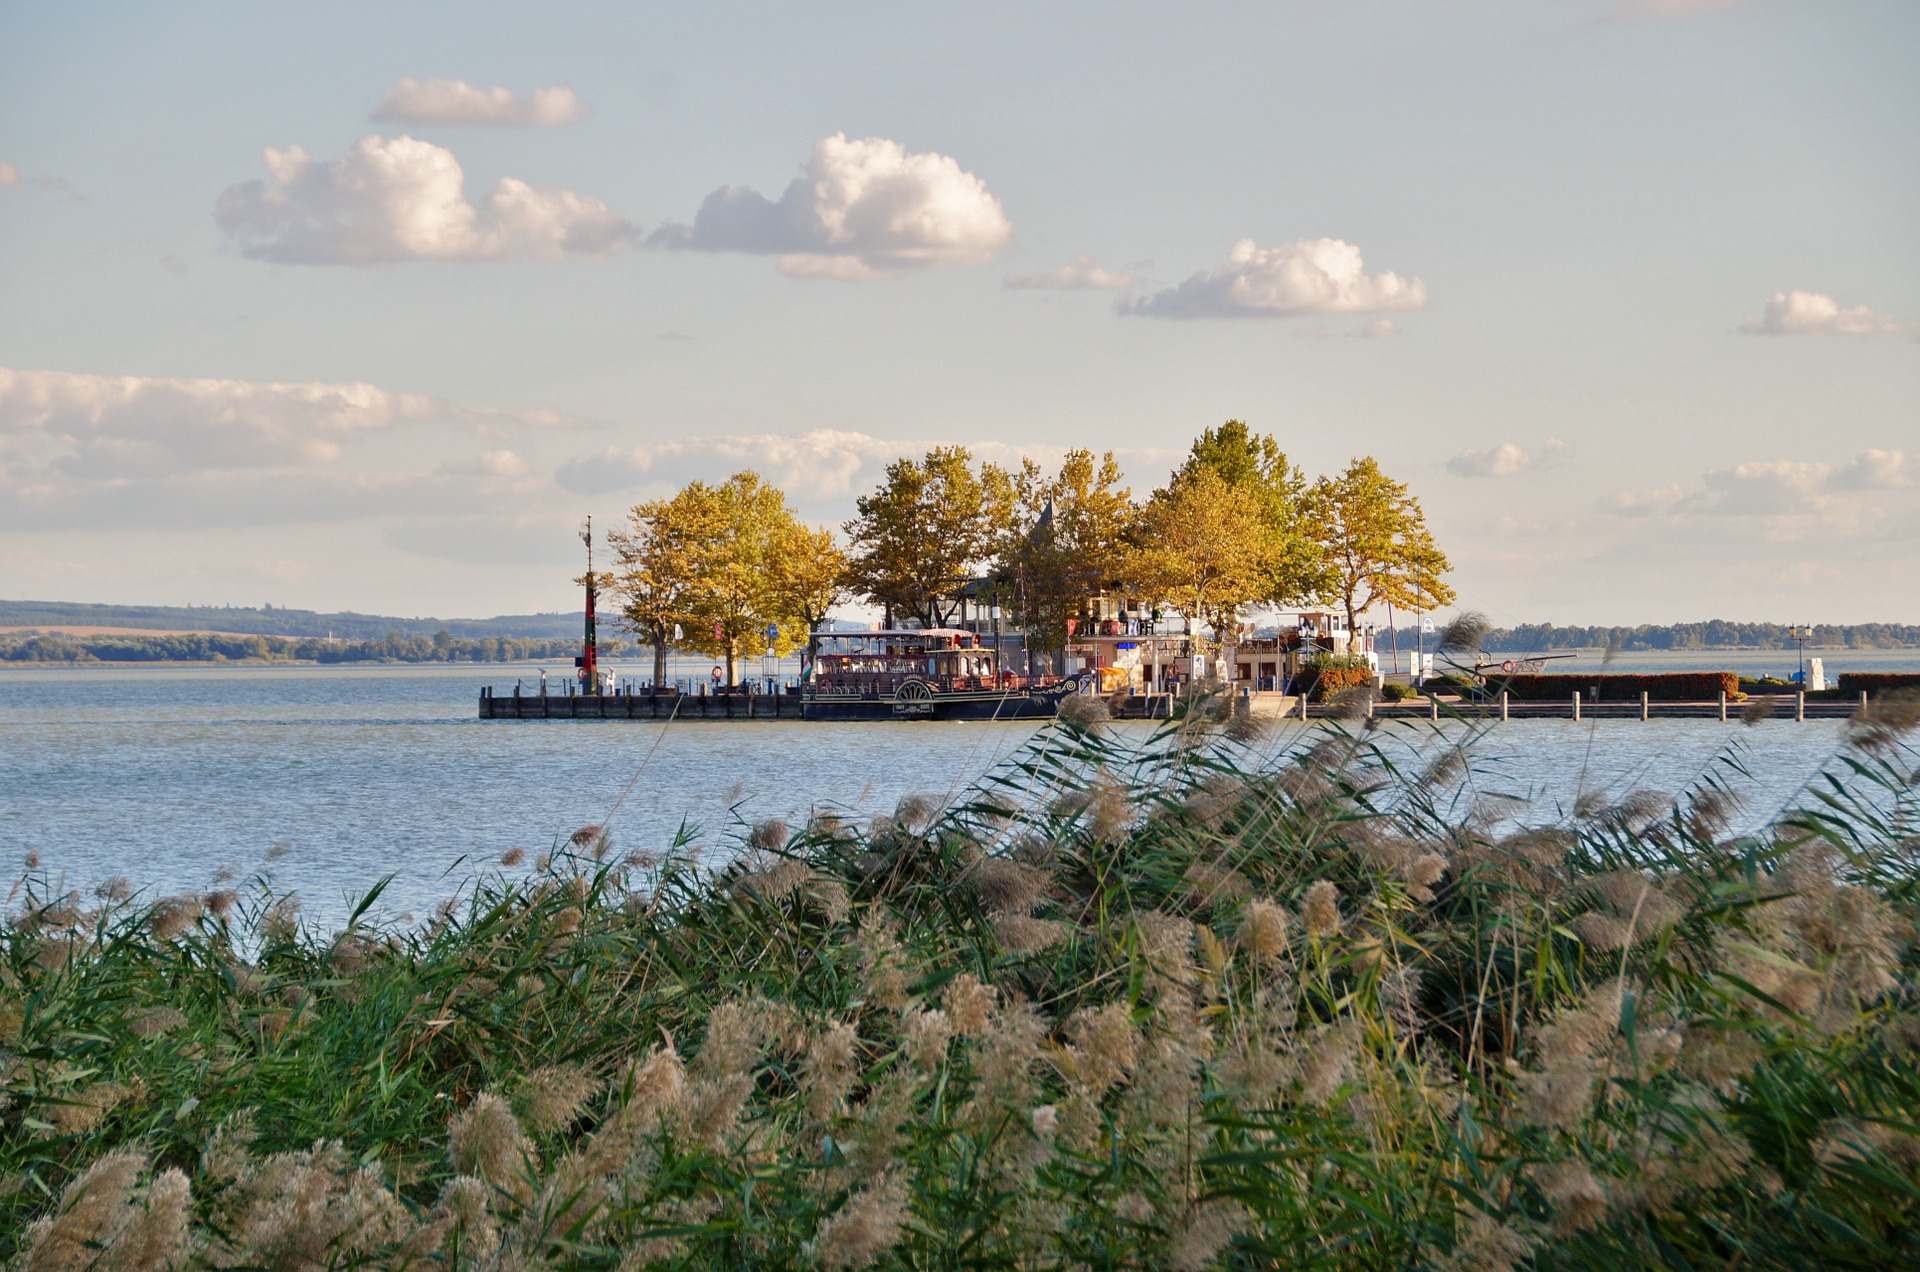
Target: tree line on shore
(716,568)
(54,647)
(1713,634)
(277,620)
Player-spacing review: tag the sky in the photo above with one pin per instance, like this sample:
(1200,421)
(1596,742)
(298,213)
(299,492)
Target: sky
(355,306)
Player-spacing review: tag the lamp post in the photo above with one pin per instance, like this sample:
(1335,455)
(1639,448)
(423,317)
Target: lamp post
(1801,633)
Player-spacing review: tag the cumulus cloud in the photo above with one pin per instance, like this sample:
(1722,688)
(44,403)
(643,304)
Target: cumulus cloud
(140,452)
(399,199)
(1777,488)
(9,175)
(1802,313)
(1311,276)
(1082,274)
(821,463)
(1878,470)
(109,427)
(861,210)
(1508,459)
(454,101)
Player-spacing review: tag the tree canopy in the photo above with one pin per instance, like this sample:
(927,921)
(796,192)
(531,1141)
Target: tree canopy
(933,524)
(1201,544)
(1071,542)
(1376,542)
(722,563)
(1296,568)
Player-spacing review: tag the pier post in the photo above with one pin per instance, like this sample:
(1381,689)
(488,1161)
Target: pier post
(1863,699)
(1576,704)
(1433,706)
(1503,706)
(1723,706)
(1800,706)
(1643,704)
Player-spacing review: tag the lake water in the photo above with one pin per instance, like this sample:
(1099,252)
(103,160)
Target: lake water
(329,778)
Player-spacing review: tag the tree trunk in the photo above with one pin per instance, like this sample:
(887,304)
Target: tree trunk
(731,647)
(659,659)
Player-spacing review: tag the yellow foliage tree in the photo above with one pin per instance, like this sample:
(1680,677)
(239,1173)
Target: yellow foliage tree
(1203,545)
(1375,540)
(923,535)
(656,565)
(722,563)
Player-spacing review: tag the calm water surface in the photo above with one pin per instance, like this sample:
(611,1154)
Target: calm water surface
(330,778)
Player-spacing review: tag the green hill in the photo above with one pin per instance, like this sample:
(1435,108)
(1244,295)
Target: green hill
(271,621)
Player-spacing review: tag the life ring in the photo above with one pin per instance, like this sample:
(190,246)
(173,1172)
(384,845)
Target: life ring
(1507,666)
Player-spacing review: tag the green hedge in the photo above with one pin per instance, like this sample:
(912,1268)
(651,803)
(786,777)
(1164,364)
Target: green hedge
(1682,686)
(1868,681)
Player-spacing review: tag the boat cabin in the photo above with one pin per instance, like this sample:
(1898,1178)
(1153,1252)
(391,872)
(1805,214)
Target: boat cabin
(877,663)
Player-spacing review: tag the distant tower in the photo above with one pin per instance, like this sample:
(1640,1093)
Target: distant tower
(589,660)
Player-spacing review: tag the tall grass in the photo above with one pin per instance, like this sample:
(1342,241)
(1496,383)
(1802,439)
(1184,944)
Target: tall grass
(1182,1002)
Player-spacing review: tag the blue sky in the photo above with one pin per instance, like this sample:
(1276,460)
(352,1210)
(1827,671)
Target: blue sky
(1628,293)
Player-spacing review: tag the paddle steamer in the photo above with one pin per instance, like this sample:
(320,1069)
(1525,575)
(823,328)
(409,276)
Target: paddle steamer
(930,673)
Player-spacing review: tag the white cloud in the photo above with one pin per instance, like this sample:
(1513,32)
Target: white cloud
(399,199)
(454,101)
(821,463)
(112,427)
(1782,488)
(9,175)
(1508,459)
(1311,276)
(1878,470)
(1083,273)
(493,463)
(141,453)
(1672,8)
(1801,313)
(863,209)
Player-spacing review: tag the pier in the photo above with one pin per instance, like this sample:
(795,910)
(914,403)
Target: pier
(742,704)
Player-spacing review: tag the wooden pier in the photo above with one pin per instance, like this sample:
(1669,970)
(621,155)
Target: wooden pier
(640,706)
(742,705)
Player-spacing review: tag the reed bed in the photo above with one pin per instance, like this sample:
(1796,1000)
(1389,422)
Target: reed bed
(1180,1002)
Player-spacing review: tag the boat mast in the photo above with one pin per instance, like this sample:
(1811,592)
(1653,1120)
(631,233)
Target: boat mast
(589,660)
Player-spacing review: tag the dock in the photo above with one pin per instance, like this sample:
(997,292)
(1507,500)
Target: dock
(742,704)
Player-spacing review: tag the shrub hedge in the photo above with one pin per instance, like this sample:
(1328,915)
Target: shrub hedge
(1867,681)
(1683,686)
(1321,683)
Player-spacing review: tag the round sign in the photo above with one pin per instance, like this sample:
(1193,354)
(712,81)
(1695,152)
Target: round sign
(1507,666)
(717,673)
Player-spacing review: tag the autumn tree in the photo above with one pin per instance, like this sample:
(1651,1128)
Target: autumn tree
(809,571)
(1295,566)
(1376,542)
(719,564)
(932,525)
(657,560)
(1202,545)
(1070,542)
(737,595)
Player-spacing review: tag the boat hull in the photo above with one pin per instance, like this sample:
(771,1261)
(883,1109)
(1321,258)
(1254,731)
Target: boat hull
(1025,704)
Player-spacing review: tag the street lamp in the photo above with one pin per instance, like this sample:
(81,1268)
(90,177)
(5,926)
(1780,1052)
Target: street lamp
(1802,633)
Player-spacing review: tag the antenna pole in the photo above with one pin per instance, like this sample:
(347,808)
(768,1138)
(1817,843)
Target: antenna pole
(589,660)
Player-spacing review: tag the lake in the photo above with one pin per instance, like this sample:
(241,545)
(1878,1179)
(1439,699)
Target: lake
(329,778)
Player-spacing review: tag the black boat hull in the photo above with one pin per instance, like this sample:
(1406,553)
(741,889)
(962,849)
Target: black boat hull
(1024,704)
